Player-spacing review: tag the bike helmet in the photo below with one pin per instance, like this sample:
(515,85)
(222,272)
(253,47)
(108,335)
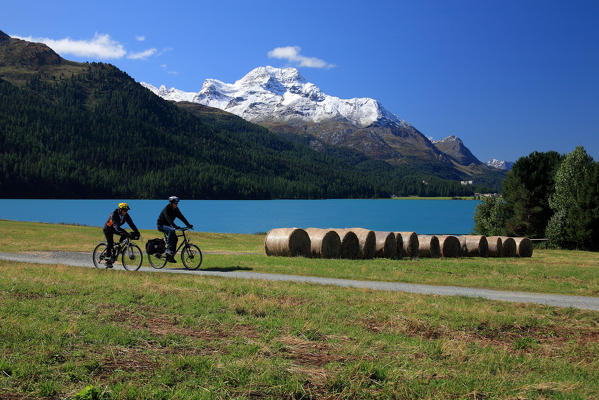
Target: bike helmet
(124,206)
(173,199)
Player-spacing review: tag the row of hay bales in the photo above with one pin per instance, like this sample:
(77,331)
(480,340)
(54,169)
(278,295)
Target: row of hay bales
(363,243)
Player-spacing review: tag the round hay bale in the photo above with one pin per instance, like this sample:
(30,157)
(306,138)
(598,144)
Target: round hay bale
(523,247)
(399,246)
(409,243)
(450,246)
(495,246)
(367,240)
(508,245)
(428,246)
(474,246)
(324,243)
(287,242)
(350,245)
(386,245)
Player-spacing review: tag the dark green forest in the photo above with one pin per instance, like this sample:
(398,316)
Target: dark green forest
(99,134)
(547,195)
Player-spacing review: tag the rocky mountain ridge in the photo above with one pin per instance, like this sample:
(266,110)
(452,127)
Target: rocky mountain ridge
(282,100)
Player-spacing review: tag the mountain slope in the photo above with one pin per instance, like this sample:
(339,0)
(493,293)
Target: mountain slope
(454,148)
(283,101)
(89,130)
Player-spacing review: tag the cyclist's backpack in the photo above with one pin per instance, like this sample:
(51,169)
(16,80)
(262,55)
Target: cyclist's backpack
(155,246)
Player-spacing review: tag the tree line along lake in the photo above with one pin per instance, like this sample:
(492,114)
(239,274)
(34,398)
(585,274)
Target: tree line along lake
(254,216)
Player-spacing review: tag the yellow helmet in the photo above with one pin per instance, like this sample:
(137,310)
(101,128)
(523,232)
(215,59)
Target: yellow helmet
(124,206)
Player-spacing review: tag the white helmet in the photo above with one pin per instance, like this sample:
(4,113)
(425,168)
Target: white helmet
(173,199)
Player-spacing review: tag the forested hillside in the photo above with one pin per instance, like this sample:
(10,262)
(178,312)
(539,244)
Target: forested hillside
(94,132)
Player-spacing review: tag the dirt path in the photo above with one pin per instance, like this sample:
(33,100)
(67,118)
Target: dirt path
(84,260)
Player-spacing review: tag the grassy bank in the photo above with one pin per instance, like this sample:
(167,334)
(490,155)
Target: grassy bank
(433,198)
(550,271)
(121,335)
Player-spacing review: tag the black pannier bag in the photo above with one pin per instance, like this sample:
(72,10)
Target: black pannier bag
(155,246)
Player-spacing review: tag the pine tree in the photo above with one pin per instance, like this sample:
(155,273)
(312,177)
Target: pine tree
(571,226)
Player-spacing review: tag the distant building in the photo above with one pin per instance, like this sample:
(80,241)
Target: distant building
(480,196)
(465,183)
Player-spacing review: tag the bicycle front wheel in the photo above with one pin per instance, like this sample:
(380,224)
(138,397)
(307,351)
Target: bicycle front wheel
(132,258)
(158,260)
(99,256)
(191,255)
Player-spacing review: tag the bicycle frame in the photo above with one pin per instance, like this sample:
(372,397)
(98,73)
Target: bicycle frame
(183,242)
(122,246)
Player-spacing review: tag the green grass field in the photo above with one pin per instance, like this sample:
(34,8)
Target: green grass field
(83,333)
(128,335)
(550,271)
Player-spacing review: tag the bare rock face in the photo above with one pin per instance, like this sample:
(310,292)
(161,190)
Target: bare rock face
(4,37)
(454,147)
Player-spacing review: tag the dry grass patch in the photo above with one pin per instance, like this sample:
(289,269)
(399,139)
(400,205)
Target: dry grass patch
(311,360)
(126,359)
(547,340)
(163,325)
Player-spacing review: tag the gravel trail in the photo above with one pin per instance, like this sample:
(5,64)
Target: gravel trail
(85,260)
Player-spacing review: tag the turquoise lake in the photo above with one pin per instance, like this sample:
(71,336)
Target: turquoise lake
(252,216)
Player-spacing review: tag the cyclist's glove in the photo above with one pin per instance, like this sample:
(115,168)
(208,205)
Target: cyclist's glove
(190,226)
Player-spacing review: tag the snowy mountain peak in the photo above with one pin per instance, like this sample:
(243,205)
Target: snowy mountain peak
(289,76)
(450,139)
(282,95)
(505,165)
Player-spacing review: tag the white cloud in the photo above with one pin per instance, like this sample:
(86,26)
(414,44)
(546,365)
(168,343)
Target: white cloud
(165,50)
(101,46)
(170,72)
(140,38)
(142,55)
(292,54)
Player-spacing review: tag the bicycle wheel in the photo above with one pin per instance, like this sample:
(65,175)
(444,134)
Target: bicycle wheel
(191,255)
(158,260)
(99,256)
(132,258)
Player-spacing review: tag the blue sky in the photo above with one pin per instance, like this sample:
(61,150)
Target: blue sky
(507,77)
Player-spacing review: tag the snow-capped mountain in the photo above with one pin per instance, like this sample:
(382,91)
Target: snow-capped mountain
(283,94)
(283,101)
(504,165)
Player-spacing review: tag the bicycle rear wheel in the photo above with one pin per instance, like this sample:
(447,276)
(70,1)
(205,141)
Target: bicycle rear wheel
(157,261)
(132,258)
(99,256)
(191,255)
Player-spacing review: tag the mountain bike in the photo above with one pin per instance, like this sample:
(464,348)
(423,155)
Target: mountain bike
(131,255)
(191,255)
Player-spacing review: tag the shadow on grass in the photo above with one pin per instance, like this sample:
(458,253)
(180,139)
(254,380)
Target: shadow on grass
(228,269)
(217,269)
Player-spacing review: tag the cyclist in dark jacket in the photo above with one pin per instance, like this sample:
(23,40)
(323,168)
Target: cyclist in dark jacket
(114,224)
(166,224)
